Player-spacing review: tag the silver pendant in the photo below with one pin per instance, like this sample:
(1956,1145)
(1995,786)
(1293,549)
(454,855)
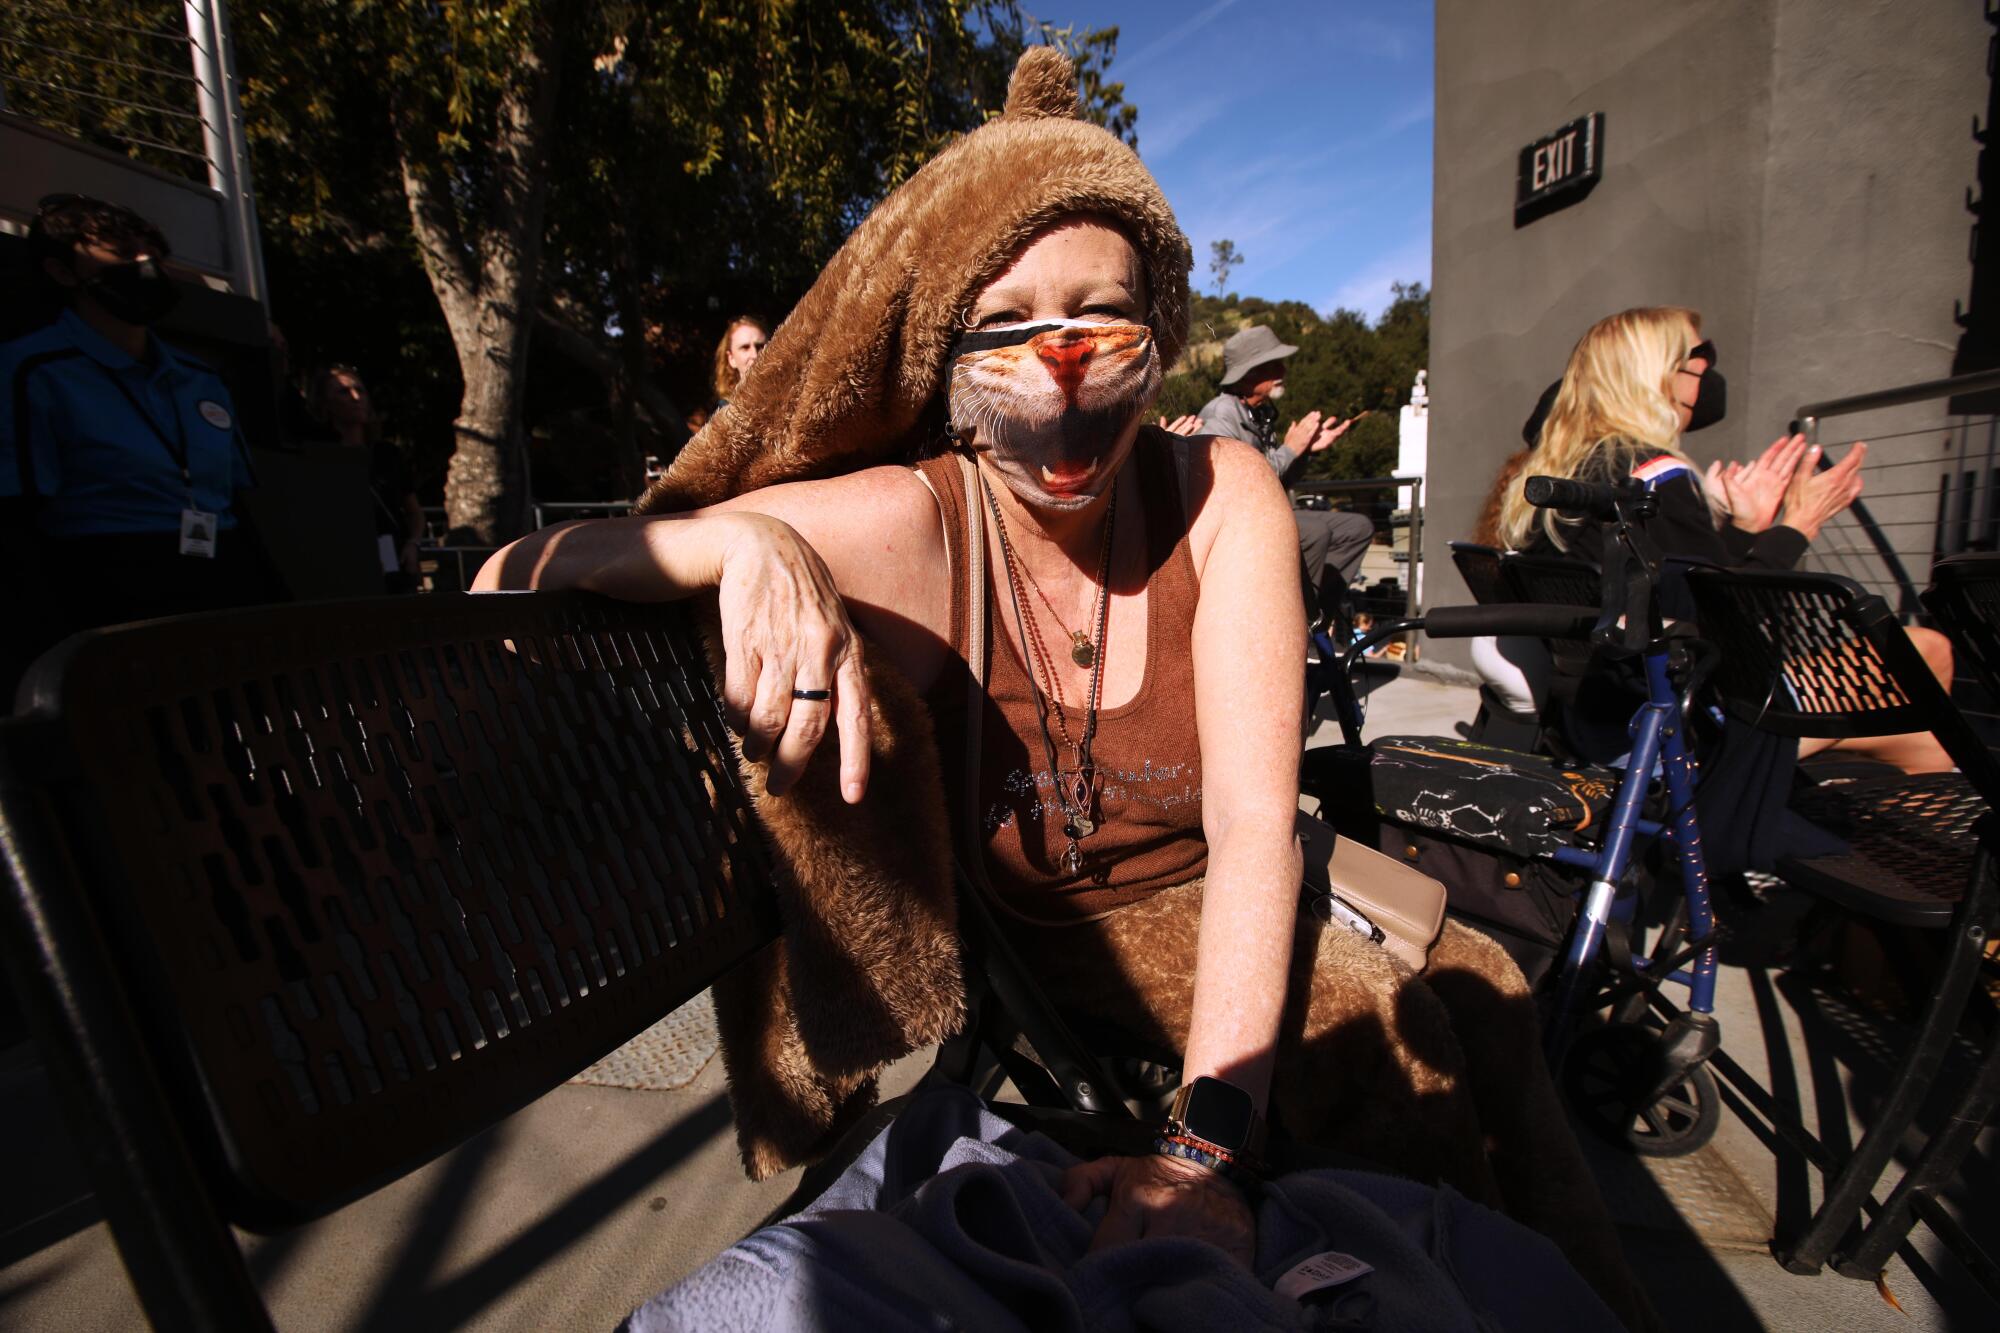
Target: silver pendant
(1072,860)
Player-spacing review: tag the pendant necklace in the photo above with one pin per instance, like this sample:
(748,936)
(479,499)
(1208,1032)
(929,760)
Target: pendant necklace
(1081,650)
(1076,790)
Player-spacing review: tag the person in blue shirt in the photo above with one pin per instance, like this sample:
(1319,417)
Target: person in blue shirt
(120,455)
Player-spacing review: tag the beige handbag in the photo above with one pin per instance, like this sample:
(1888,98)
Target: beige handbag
(1378,897)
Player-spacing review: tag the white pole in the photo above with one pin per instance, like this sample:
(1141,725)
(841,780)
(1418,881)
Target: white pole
(208,91)
(223,141)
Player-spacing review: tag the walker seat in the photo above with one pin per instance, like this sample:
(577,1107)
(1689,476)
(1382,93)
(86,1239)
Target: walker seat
(1526,804)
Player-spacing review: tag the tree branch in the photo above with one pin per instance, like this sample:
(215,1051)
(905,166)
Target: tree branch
(438,241)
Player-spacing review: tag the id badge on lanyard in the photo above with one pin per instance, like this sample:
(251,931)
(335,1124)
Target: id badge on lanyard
(197,531)
(198,526)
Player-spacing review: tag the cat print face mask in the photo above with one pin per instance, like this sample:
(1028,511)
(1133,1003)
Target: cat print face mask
(1053,403)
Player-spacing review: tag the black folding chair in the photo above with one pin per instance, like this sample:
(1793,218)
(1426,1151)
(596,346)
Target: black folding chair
(1557,580)
(1814,655)
(1479,566)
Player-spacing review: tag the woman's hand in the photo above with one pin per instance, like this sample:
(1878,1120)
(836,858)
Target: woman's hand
(1183,425)
(1163,1196)
(1756,489)
(785,628)
(1815,496)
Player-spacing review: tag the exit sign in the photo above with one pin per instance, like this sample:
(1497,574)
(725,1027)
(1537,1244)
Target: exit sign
(1559,168)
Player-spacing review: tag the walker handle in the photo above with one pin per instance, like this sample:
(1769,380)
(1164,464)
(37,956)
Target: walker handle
(1534,620)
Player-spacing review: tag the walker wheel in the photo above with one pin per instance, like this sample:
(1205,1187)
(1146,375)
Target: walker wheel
(1607,1069)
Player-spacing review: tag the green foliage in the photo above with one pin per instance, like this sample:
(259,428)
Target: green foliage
(708,161)
(114,75)
(1343,366)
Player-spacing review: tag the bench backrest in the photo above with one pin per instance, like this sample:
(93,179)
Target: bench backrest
(1818,655)
(370,876)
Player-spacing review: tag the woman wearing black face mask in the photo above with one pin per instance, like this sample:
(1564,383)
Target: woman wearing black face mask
(1635,383)
(120,456)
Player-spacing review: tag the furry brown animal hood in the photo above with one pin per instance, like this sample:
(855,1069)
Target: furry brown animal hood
(868,966)
(852,377)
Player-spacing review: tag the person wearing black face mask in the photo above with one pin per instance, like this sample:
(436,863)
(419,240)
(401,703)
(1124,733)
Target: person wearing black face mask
(1636,382)
(120,456)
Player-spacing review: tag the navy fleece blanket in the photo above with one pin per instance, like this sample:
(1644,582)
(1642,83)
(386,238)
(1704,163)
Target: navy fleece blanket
(951,1220)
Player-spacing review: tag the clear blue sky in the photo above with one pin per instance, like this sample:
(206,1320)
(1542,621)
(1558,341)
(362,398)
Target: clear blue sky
(1299,129)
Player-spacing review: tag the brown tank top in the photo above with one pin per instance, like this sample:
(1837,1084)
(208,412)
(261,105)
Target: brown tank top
(1147,754)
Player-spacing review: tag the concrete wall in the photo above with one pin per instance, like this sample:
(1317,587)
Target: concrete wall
(1794,169)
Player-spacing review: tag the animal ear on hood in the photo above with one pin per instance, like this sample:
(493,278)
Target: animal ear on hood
(855,375)
(1043,84)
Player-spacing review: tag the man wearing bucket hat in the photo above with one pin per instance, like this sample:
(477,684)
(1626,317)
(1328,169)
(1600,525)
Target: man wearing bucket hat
(1253,379)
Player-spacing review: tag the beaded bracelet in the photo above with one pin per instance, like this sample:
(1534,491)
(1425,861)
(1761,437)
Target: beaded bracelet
(1216,1160)
(1242,1161)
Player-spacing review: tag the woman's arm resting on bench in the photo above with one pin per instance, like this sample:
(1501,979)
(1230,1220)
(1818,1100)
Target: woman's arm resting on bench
(784,625)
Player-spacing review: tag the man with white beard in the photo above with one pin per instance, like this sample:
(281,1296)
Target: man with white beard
(1253,379)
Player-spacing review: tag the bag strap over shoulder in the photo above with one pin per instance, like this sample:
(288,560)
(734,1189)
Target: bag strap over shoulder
(971,857)
(975,637)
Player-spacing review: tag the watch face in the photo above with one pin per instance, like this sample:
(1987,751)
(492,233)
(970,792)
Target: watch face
(1220,1112)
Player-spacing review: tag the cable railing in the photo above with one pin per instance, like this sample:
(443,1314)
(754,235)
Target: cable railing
(128,88)
(1387,515)
(84,98)
(1933,484)
(1932,489)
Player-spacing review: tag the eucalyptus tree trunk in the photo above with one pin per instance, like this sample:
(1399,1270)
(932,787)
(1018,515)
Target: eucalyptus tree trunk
(485,267)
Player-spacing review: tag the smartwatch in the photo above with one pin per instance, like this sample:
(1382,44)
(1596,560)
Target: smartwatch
(1219,1113)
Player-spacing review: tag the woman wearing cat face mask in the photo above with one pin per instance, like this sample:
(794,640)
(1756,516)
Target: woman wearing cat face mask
(1120,761)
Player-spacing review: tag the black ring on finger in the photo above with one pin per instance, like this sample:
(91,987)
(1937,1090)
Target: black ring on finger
(813,696)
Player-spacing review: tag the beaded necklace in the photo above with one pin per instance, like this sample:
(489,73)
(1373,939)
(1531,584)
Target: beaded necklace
(1076,789)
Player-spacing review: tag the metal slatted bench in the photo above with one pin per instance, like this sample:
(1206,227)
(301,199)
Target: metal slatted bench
(1815,655)
(299,898)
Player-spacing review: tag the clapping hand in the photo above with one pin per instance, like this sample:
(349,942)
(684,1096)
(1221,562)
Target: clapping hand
(1815,496)
(1312,433)
(1753,491)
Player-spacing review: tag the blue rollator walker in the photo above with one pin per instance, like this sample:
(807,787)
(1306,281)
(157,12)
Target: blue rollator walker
(1648,1090)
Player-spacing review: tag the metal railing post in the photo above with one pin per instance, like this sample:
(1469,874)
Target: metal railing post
(228,151)
(1414,567)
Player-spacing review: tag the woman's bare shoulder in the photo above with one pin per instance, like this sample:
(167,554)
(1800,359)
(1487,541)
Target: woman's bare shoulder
(1226,485)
